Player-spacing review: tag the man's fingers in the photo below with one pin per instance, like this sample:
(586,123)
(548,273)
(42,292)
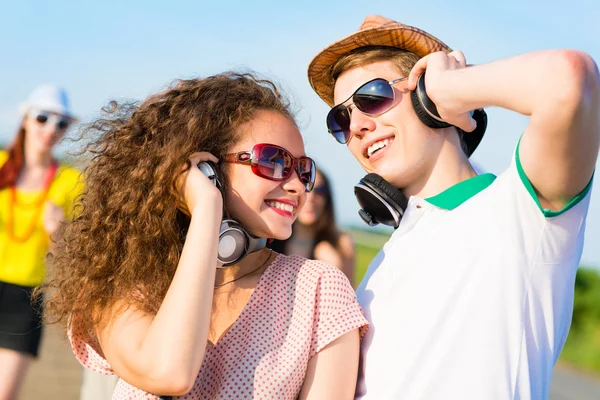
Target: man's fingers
(459,57)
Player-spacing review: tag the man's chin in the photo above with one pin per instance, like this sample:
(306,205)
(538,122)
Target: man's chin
(391,175)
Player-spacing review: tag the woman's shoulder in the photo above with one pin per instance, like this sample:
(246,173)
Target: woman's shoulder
(346,239)
(305,264)
(304,271)
(68,173)
(67,178)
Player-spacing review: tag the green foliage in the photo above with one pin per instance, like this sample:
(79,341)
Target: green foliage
(582,348)
(586,309)
(364,255)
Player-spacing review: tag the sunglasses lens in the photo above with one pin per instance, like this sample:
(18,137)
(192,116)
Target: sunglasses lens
(374,97)
(62,124)
(338,123)
(41,118)
(274,163)
(307,171)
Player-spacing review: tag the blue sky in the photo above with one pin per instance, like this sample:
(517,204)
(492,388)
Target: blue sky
(129,49)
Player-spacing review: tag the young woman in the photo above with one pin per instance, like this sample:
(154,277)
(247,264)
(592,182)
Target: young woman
(315,233)
(137,274)
(36,193)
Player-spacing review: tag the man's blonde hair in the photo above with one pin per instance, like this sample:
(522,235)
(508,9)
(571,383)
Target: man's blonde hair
(402,59)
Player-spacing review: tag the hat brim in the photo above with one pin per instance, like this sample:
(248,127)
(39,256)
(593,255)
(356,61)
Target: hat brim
(396,35)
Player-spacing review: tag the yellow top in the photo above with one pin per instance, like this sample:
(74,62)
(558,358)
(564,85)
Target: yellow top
(23,263)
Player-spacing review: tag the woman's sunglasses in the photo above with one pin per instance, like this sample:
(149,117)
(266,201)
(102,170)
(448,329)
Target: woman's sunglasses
(276,164)
(373,98)
(42,118)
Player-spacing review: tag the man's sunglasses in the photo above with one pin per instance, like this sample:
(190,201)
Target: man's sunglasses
(276,164)
(373,98)
(42,118)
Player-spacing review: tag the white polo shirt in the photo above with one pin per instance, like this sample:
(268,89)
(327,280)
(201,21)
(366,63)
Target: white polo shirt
(472,296)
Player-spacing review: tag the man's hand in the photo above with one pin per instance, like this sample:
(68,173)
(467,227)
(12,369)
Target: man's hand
(437,66)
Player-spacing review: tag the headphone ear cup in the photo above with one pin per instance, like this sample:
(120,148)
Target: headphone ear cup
(429,115)
(388,191)
(424,107)
(380,201)
(472,139)
(233,242)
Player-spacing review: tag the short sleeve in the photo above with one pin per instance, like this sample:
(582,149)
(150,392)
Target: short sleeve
(88,357)
(66,189)
(546,212)
(337,311)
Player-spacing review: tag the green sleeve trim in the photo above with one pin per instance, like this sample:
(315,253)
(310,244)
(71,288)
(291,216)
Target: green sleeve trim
(547,212)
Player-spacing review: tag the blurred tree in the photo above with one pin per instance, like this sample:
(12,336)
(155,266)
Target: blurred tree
(586,308)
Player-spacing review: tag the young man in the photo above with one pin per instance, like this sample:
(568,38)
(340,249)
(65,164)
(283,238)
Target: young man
(471,298)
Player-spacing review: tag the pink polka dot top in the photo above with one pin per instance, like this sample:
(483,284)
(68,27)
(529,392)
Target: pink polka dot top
(298,307)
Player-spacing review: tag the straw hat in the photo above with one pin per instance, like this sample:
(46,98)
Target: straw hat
(374,31)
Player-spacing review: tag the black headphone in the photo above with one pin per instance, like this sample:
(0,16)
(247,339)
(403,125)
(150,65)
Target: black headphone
(380,201)
(429,115)
(234,242)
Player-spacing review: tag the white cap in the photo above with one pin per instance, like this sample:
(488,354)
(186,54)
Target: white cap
(49,98)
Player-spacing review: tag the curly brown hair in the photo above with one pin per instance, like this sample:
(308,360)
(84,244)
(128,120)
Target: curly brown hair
(127,239)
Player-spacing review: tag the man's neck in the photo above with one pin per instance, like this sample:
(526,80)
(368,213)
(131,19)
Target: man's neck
(451,167)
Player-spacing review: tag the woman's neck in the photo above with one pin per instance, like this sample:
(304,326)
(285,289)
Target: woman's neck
(253,263)
(34,170)
(37,159)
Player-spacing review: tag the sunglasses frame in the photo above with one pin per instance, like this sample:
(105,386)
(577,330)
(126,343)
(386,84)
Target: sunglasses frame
(350,101)
(34,114)
(251,158)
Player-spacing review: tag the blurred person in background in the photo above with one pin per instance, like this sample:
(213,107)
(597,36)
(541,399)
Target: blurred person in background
(143,280)
(36,194)
(316,235)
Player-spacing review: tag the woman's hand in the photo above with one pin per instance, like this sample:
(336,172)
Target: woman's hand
(52,217)
(440,67)
(195,189)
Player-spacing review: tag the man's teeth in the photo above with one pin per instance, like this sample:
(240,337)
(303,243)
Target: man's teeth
(376,146)
(281,206)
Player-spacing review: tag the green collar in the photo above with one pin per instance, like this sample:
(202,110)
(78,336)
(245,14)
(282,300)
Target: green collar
(455,195)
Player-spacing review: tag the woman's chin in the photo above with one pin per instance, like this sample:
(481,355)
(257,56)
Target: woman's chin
(282,234)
